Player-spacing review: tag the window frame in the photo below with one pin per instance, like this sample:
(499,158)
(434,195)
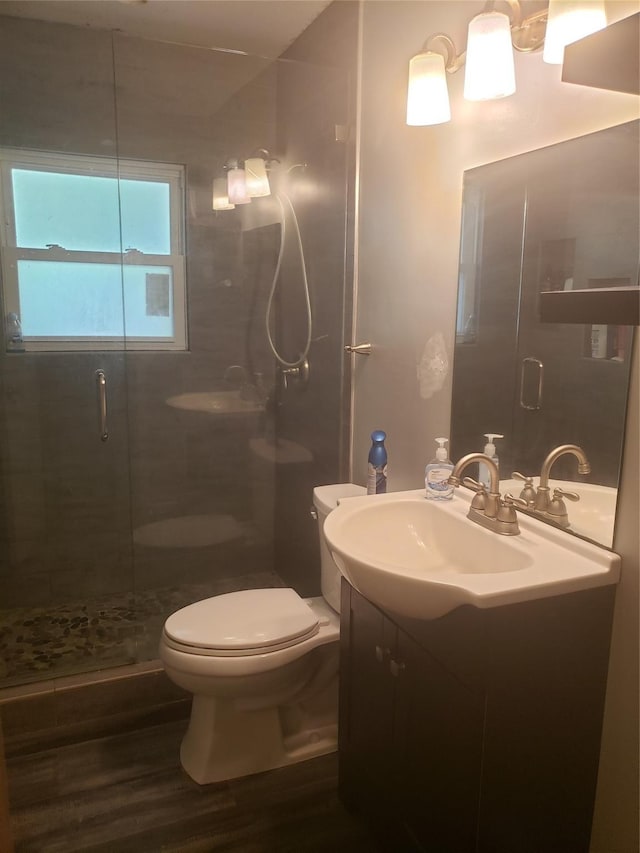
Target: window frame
(82,164)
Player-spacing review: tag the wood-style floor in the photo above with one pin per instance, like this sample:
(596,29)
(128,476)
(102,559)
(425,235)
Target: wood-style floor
(128,793)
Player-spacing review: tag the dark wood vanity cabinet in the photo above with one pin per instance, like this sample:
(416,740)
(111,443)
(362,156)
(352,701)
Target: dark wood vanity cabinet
(411,736)
(478,732)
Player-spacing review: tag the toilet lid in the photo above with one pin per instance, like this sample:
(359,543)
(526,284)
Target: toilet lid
(244,622)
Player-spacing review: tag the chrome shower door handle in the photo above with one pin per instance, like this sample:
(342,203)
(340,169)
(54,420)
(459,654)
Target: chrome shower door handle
(538,401)
(359,349)
(101,386)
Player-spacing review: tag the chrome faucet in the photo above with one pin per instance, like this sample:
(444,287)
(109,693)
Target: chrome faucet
(542,501)
(538,502)
(488,509)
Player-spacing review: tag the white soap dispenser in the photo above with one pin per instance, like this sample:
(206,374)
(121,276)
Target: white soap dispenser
(484,475)
(437,473)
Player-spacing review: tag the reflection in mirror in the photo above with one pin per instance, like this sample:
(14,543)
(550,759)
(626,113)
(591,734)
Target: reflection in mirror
(561,218)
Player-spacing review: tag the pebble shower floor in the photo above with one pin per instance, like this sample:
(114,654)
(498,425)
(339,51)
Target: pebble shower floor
(46,642)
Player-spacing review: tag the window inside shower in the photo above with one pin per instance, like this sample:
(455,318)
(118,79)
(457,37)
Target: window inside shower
(93,251)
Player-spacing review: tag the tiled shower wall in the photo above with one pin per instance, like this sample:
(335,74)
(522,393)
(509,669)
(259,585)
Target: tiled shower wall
(317,124)
(71,502)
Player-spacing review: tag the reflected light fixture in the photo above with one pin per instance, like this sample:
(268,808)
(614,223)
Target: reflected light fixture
(237,183)
(568,21)
(256,177)
(221,195)
(490,71)
(244,180)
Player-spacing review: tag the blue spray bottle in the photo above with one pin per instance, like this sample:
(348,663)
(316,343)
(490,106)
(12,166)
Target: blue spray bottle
(377,474)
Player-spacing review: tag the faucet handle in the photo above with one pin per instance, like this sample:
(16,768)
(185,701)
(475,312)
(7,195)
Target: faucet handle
(510,500)
(507,510)
(528,492)
(561,493)
(479,502)
(470,483)
(557,510)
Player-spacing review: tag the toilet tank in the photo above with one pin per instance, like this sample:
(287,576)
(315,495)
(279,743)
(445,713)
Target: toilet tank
(325,498)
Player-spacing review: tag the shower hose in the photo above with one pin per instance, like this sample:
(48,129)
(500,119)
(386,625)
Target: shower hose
(281,198)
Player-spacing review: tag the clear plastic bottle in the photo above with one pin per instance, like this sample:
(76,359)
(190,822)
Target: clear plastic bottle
(484,476)
(377,471)
(437,473)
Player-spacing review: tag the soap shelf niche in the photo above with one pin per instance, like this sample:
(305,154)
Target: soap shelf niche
(607,341)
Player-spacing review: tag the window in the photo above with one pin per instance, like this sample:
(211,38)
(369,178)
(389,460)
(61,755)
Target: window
(93,251)
(469,265)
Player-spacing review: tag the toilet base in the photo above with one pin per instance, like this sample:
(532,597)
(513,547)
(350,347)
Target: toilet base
(223,742)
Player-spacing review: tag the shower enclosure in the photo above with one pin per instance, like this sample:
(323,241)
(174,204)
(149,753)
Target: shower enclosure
(152,450)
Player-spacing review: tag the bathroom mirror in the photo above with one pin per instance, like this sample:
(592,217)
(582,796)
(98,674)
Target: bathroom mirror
(559,218)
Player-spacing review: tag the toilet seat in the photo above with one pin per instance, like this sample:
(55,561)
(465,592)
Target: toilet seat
(240,624)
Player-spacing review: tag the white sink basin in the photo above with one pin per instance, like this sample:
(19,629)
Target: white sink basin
(423,558)
(592,516)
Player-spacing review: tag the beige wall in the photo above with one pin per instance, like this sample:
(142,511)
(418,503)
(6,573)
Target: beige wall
(408,234)
(615,824)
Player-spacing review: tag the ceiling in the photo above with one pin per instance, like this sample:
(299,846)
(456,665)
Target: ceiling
(262,27)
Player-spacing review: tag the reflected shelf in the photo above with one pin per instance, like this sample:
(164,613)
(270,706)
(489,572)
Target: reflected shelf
(618,306)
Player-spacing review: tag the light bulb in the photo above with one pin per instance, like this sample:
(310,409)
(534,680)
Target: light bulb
(237,186)
(568,21)
(220,195)
(256,177)
(427,95)
(489,71)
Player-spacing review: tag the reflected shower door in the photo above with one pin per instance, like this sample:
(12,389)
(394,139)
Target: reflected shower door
(581,232)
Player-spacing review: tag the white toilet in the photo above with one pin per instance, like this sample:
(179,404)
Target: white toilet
(262,665)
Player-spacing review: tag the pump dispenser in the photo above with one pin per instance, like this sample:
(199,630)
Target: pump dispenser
(437,473)
(484,476)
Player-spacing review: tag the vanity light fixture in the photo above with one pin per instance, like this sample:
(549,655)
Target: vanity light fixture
(492,37)
(490,71)
(568,21)
(428,95)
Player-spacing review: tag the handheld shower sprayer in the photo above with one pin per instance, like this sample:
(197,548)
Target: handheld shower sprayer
(285,204)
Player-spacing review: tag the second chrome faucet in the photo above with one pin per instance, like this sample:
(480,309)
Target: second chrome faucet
(540,501)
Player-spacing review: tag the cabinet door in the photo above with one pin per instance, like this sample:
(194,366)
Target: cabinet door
(437,753)
(366,698)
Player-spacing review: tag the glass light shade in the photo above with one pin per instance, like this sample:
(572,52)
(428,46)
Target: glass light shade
(568,21)
(237,186)
(427,95)
(220,195)
(256,177)
(489,71)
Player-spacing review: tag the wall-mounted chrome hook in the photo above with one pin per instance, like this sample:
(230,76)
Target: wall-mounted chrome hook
(359,349)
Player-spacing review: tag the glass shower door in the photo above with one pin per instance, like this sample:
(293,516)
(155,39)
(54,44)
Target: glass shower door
(65,533)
